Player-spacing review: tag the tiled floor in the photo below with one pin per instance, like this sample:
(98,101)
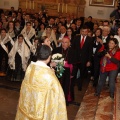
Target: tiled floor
(9,95)
(101,107)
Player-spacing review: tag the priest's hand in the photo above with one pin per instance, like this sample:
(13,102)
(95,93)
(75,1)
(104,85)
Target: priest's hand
(53,64)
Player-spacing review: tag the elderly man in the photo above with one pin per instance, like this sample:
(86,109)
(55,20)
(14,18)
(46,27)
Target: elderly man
(106,35)
(67,82)
(60,36)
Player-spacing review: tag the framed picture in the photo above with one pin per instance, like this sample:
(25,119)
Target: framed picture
(102,3)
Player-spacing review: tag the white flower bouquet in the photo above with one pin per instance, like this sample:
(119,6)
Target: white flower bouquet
(57,58)
(59,69)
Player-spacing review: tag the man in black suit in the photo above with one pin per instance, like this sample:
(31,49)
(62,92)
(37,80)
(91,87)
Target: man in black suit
(83,50)
(89,23)
(60,36)
(51,22)
(78,26)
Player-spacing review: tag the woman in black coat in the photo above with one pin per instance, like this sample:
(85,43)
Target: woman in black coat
(97,43)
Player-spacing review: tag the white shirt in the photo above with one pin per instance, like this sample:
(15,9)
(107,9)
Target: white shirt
(61,37)
(82,38)
(104,38)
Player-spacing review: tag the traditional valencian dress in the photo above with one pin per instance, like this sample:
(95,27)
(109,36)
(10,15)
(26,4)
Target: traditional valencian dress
(29,36)
(52,39)
(41,95)
(6,44)
(18,61)
(12,34)
(34,52)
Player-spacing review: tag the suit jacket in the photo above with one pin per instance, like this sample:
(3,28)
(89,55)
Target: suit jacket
(58,35)
(78,30)
(96,57)
(84,54)
(89,25)
(96,46)
(107,41)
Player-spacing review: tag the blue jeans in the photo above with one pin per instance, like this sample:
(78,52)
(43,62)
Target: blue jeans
(112,76)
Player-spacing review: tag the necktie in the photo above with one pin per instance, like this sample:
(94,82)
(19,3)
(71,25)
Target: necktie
(103,39)
(82,42)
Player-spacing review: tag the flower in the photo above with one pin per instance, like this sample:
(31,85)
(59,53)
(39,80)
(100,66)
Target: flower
(59,69)
(57,56)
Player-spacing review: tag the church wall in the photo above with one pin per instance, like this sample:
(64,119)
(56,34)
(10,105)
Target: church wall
(97,12)
(7,4)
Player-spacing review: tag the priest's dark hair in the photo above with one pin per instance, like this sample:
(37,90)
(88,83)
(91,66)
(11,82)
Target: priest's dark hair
(43,52)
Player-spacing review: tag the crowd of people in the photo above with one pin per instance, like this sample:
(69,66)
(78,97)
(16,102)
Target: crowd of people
(84,45)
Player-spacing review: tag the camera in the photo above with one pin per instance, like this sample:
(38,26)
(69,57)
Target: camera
(104,52)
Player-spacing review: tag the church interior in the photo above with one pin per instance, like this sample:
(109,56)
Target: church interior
(86,106)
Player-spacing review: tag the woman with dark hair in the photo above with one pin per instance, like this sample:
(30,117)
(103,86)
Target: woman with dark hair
(11,29)
(97,43)
(41,95)
(41,30)
(44,40)
(51,35)
(43,20)
(109,66)
(18,59)
(34,48)
(5,47)
(29,34)
(36,26)
(18,28)
(70,34)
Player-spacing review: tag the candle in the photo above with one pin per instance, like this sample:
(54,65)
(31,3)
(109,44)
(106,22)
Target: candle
(66,8)
(62,7)
(33,5)
(26,4)
(30,4)
(58,7)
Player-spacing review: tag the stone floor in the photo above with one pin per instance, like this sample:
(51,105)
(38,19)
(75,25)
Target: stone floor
(101,107)
(9,95)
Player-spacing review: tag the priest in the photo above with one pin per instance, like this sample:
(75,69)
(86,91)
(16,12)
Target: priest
(41,95)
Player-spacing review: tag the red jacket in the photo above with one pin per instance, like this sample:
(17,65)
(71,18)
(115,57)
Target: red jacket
(111,65)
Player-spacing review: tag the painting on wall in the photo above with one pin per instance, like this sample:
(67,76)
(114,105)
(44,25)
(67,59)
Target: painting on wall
(102,3)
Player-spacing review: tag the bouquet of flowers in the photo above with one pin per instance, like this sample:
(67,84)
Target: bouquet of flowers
(59,60)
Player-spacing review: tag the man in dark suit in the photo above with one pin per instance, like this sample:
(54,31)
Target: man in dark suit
(78,26)
(106,35)
(89,23)
(83,50)
(51,22)
(60,36)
